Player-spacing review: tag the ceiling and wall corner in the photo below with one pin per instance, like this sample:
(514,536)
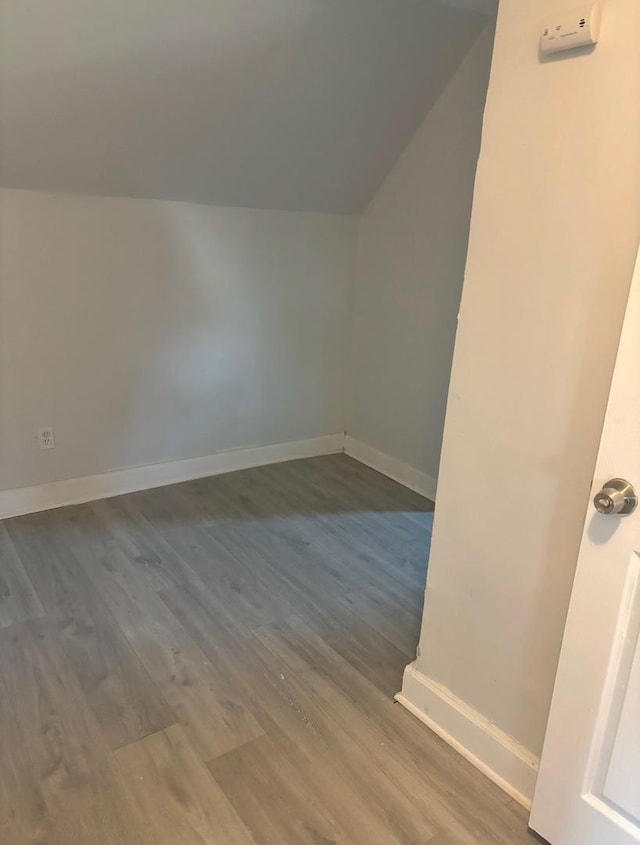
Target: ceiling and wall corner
(231,324)
(409,270)
(285,104)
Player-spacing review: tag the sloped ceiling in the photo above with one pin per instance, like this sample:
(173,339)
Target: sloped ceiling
(288,104)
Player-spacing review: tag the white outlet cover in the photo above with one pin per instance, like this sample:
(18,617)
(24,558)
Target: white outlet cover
(45,438)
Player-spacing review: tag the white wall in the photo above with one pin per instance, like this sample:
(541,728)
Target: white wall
(554,233)
(149,331)
(409,270)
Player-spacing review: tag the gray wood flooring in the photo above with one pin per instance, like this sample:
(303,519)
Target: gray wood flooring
(213,663)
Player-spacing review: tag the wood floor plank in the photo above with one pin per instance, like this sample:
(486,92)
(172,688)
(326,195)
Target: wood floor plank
(273,798)
(120,522)
(176,665)
(371,654)
(381,549)
(300,528)
(124,699)
(271,572)
(56,783)
(237,585)
(148,560)
(282,572)
(388,617)
(367,805)
(266,493)
(18,598)
(277,693)
(268,615)
(171,507)
(377,492)
(249,515)
(173,793)
(262,679)
(277,698)
(377,510)
(448,791)
(284,565)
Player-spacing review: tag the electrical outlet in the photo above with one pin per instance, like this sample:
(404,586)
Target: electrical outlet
(45,438)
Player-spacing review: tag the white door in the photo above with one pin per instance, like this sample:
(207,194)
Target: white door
(588,790)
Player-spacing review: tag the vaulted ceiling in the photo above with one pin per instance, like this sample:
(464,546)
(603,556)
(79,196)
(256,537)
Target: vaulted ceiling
(289,104)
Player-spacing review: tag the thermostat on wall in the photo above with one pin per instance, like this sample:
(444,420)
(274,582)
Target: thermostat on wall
(578,28)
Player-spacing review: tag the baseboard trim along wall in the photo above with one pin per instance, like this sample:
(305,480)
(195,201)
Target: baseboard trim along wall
(507,763)
(392,467)
(74,491)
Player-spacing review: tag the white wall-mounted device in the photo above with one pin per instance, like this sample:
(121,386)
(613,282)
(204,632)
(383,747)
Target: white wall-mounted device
(577,28)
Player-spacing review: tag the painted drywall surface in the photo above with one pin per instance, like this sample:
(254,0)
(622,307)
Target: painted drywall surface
(554,234)
(148,331)
(409,269)
(294,104)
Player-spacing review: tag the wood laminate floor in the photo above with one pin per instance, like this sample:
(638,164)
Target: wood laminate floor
(213,663)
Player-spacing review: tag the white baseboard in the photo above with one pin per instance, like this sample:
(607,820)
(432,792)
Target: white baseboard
(73,491)
(394,468)
(507,763)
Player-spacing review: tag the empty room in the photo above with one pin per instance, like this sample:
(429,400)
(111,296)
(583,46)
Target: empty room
(319,330)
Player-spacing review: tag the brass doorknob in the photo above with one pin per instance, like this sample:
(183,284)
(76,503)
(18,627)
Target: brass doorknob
(617,496)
